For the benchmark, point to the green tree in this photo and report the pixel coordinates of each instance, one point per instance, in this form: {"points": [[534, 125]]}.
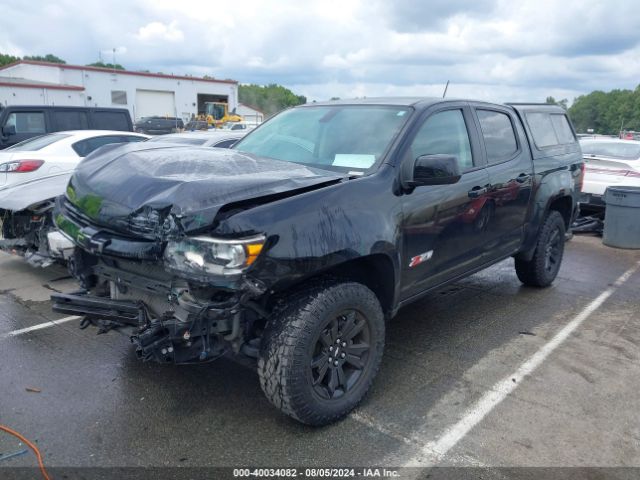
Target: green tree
{"points": [[269, 98], [561, 103], [49, 57], [117, 66], [607, 112], [7, 59]]}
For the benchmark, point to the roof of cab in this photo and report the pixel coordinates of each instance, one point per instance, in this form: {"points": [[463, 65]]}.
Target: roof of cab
{"points": [[391, 101]]}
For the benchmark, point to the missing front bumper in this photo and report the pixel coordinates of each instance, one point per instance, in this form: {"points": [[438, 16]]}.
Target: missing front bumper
{"points": [[205, 335], [118, 311]]}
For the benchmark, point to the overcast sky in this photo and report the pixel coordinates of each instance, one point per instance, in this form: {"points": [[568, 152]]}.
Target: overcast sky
{"points": [[494, 50]]}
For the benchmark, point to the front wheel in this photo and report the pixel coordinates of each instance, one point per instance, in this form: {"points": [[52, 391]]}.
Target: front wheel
{"points": [[321, 351], [543, 267]]}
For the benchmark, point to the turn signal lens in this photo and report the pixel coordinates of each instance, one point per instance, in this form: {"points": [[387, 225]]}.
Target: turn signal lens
{"points": [[253, 250]]}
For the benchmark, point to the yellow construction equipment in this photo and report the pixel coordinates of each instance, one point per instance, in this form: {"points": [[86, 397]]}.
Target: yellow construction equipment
{"points": [[218, 113]]}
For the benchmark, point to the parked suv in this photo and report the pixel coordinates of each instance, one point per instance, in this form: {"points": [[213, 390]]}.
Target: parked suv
{"points": [[18, 123], [297, 244], [159, 125]]}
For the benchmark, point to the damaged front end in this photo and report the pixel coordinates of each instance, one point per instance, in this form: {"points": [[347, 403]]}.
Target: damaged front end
{"points": [[26, 222], [151, 258], [31, 234], [183, 299]]}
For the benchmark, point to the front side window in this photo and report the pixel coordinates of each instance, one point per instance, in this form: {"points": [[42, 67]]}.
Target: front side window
{"points": [[27, 122], [444, 133], [499, 138], [334, 137]]}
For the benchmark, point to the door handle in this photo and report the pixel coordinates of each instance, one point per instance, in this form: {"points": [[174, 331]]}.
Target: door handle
{"points": [[523, 177], [476, 192]]}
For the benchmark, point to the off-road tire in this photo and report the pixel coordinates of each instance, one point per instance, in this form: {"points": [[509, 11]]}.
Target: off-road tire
{"points": [[542, 270], [292, 334]]}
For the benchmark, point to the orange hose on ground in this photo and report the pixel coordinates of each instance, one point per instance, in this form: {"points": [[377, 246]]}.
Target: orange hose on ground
{"points": [[32, 447]]}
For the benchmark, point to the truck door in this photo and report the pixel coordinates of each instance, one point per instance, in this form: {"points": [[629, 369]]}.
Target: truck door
{"points": [[510, 169], [28, 123], [443, 233]]}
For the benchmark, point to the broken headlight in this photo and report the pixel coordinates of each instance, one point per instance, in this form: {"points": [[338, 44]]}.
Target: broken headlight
{"points": [[213, 256]]}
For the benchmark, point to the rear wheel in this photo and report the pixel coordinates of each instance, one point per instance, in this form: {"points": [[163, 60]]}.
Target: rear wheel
{"points": [[543, 267], [320, 352]]}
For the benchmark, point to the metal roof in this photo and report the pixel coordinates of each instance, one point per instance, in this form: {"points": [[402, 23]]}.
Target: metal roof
{"points": [[26, 83], [64, 66]]}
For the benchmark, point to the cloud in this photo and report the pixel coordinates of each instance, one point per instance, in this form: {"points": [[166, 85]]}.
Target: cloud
{"points": [[488, 49], [155, 31]]}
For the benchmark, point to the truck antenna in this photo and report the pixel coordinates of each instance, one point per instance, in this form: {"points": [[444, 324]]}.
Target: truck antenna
{"points": [[445, 89]]}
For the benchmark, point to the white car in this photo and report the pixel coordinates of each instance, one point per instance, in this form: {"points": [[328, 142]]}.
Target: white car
{"points": [[211, 138], [32, 174], [235, 126], [54, 153], [608, 162]]}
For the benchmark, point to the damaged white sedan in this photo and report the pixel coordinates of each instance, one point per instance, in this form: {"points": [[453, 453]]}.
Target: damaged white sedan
{"points": [[32, 174]]}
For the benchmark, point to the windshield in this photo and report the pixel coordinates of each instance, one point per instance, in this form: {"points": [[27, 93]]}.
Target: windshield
{"points": [[333, 137], [624, 150], [216, 110], [37, 143]]}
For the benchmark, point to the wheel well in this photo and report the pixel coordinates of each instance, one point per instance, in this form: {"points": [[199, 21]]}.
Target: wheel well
{"points": [[376, 272], [564, 206]]}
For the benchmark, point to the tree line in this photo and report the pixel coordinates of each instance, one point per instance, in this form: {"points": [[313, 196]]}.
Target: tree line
{"points": [[49, 57], [607, 112], [269, 98], [604, 112]]}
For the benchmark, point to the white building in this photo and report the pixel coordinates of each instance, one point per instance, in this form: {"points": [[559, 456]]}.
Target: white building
{"points": [[250, 114], [28, 82]]}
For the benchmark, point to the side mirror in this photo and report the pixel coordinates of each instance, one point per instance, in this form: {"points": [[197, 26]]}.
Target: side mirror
{"points": [[435, 170], [9, 130]]}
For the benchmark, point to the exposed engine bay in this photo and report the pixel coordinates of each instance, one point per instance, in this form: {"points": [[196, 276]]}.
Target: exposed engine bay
{"points": [[169, 320], [31, 233]]}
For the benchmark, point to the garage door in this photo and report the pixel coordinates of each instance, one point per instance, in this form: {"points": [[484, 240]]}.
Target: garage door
{"points": [[155, 103]]}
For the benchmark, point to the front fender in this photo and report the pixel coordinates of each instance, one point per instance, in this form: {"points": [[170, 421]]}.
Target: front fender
{"points": [[321, 229]]}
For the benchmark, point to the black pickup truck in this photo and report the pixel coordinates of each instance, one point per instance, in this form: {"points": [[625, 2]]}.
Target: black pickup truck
{"points": [[296, 245]]}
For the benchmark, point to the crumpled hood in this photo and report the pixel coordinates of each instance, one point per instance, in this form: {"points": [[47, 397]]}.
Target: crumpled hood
{"points": [[149, 190]]}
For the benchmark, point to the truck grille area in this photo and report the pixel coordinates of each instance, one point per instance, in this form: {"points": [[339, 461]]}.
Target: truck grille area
{"points": [[99, 239]]}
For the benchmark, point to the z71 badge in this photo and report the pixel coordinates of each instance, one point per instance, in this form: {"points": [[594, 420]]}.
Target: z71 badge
{"points": [[418, 259]]}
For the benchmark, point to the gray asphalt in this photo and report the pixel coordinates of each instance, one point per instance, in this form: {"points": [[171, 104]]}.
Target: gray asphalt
{"points": [[97, 405]]}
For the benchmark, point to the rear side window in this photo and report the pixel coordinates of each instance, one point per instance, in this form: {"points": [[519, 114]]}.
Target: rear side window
{"points": [[110, 121], [549, 130], [499, 137], [85, 147], [622, 149], [70, 120], [562, 128], [27, 122]]}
